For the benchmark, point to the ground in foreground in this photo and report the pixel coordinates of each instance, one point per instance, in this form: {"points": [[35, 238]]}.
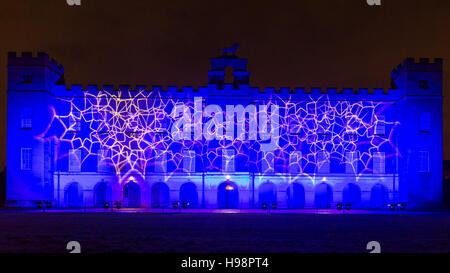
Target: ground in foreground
{"points": [[217, 233]]}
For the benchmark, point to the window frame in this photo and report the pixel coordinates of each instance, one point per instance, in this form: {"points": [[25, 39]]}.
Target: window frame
{"points": [[297, 163], [427, 161], [189, 159], [26, 78], [228, 156], [77, 153], [422, 86], [381, 163], [28, 164]]}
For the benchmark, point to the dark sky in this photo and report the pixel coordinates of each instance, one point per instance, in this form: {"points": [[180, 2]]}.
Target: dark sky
{"points": [[302, 43]]}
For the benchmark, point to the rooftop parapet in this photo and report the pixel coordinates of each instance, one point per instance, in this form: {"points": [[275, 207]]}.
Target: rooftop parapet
{"points": [[108, 87], [282, 92], [332, 91], [92, 88], [316, 91], [172, 89], [141, 87], [347, 91], [423, 65], [29, 59]]}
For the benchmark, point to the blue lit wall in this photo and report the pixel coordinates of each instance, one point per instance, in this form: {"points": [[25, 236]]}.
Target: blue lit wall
{"points": [[294, 146]]}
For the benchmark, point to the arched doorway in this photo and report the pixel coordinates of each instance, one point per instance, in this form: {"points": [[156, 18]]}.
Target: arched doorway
{"points": [[132, 195], [323, 196], [267, 193], [296, 196], [160, 195], [102, 193], [351, 194], [378, 196], [228, 195], [73, 195], [188, 193]]}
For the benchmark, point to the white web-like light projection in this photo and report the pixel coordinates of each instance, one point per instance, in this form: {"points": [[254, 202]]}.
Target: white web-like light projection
{"points": [[139, 130]]}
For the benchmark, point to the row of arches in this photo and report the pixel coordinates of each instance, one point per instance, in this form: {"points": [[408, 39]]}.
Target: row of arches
{"points": [[160, 195], [323, 195], [227, 195]]}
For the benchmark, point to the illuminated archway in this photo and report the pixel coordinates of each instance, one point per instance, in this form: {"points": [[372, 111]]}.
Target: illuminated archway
{"points": [[351, 194], [102, 193], [378, 196], [323, 196], [188, 193], [228, 195], [160, 195], [267, 193], [73, 195], [132, 195], [296, 196]]}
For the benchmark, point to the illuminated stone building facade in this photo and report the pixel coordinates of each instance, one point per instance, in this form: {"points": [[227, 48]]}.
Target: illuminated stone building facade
{"points": [[224, 145]]}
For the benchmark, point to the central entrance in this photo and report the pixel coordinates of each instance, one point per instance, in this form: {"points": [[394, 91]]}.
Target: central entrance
{"points": [[228, 195], [132, 195]]}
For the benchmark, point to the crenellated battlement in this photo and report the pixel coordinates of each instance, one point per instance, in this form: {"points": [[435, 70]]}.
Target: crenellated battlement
{"points": [[30, 59], [298, 93], [315, 91], [128, 88], [423, 65], [219, 88]]}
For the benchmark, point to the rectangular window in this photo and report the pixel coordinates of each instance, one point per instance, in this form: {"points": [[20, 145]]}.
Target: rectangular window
{"points": [[424, 161], [103, 160], [295, 125], [132, 122], [189, 161], [380, 125], [323, 162], [74, 124], [425, 122], [295, 162], [161, 123], [268, 162], [351, 159], [161, 161], [424, 84], [25, 118], [74, 160], [323, 125], [228, 160], [378, 163], [26, 159], [26, 77], [351, 124], [135, 157]]}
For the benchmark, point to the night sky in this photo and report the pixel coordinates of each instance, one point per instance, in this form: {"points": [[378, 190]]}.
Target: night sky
{"points": [[302, 43]]}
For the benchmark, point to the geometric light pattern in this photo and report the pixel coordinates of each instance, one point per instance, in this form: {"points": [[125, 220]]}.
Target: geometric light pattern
{"points": [[138, 128]]}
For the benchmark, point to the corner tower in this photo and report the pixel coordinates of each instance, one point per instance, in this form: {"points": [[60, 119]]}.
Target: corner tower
{"points": [[420, 132], [30, 161]]}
